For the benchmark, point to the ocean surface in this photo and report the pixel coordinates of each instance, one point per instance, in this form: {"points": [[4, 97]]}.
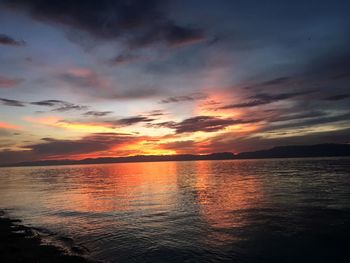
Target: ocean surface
{"points": [[281, 210]]}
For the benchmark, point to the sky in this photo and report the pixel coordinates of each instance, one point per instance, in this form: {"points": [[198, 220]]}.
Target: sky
{"points": [[87, 79]]}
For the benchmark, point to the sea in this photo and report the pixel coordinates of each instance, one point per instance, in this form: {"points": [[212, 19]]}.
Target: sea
{"points": [[271, 210]]}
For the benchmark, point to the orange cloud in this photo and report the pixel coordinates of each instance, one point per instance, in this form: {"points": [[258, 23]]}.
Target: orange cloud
{"points": [[4, 125], [54, 121]]}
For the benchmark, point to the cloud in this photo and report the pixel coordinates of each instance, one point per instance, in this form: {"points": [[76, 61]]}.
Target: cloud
{"points": [[137, 23], [124, 59], [136, 93], [4, 125], [82, 77], [131, 121], [64, 149], [155, 113], [7, 40], [170, 34], [299, 122], [298, 116], [92, 143], [265, 98], [191, 97], [95, 84], [188, 146], [231, 142], [338, 97], [59, 105], [202, 123], [14, 103], [97, 113], [8, 82], [4, 132], [272, 82], [341, 75]]}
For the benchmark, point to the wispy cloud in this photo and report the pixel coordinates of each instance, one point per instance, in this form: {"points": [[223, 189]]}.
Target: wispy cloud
{"points": [[265, 98], [190, 97], [203, 123], [6, 82], [337, 97], [7, 40], [59, 105], [14, 103], [97, 113], [131, 121]]}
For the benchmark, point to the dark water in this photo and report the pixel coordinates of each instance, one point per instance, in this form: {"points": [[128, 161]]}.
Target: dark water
{"points": [[292, 210]]}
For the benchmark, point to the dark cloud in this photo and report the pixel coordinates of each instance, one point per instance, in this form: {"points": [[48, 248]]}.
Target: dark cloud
{"points": [[131, 121], [191, 97], [188, 146], [136, 93], [156, 113], [271, 82], [49, 103], [342, 75], [124, 59], [233, 143], [338, 97], [202, 123], [138, 23], [7, 40], [170, 34], [276, 81], [298, 116], [59, 105], [333, 64], [303, 123], [62, 149], [265, 98], [88, 144], [8, 82], [97, 113], [15, 103]]}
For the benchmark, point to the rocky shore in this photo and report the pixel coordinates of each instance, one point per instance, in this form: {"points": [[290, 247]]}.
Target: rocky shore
{"points": [[19, 243]]}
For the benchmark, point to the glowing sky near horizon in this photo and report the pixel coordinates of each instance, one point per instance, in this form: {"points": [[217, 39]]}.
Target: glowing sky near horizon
{"points": [[117, 78]]}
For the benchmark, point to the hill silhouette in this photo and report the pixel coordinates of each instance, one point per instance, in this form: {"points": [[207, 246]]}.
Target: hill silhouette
{"points": [[294, 151]]}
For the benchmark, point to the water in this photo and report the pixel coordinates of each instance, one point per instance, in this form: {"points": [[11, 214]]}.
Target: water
{"points": [[291, 210]]}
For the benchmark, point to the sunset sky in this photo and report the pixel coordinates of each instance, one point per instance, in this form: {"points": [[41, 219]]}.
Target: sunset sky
{"points": [[102, 78]]}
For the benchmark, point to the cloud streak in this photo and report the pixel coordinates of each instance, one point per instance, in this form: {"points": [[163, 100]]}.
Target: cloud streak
{"points": [[131, 121], [9, 82], [9, 41], [13, 103], [97, 113], [203, 124], [264, 98], [191, 97], [59, 105]]}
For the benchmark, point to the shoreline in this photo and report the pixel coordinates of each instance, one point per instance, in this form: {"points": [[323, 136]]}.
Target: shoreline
{"points": [[282, 152], [164, 161], [19, 243]]}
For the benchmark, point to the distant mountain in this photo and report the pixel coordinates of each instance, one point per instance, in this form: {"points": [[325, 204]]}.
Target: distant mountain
{"points": [[132, 159], [319, 150]]}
